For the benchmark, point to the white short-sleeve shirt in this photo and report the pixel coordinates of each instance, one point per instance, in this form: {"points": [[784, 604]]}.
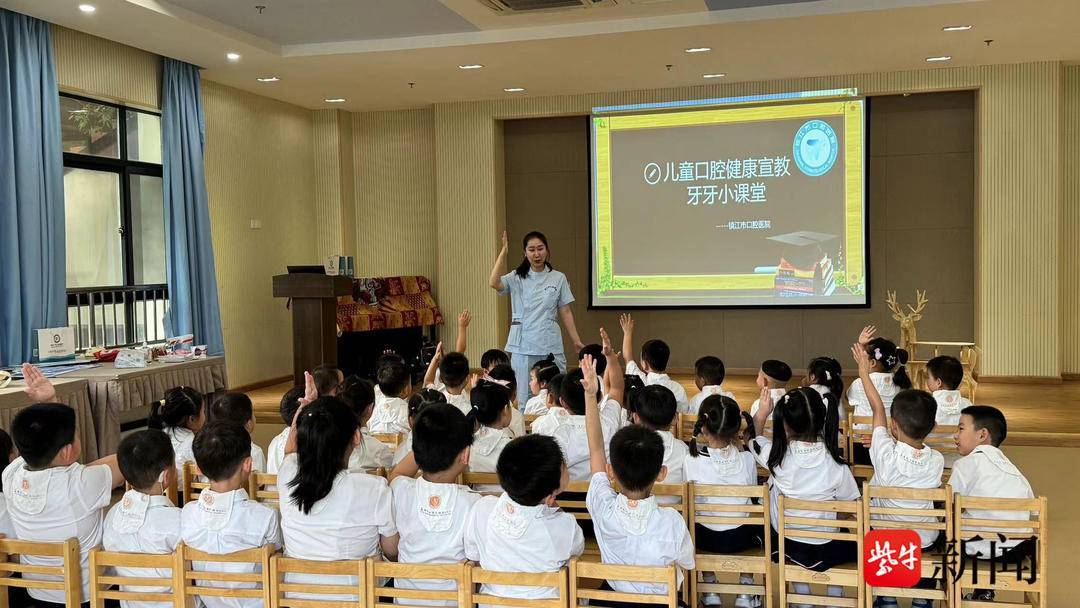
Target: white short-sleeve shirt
{"points": [[727, 466], [534, 306], [516, 427], [488, 444], [275, 452], [573, 440], [53, 505], [431, 519], [141, 523], [682, 404], [225, 522], [706, 392], [858, 401], [370, 454], [675, 453], [505, 536], [899, 465], [390, 415], [949, 406], [637, 533], [460, 401], [546, 424], [537, 404], [987, 472], [181, 438], [808, 472]]}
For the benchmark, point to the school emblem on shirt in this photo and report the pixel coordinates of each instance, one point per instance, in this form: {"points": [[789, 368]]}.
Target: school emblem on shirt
{"points": [[632, 504], [127, 503], [510, 509], [434, 502], [208, 499], [26, 484]]}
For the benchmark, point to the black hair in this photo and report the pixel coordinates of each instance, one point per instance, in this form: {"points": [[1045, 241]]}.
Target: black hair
{"points": [[915, 412], [554, 386], [545, 370], [220, 448], [892, 359], [357, 393], [826, 371], [656, 353], [324, 440], [948, 370], [777, 370], [710, 369], [326, 379], [530, 469], [6, 448], [810, 417], [656, 407], [637, 454], [990, 418], [232, 407], [454, 369], [387, 357], [143, 455], [573, 393], [421, 399], [290, 402], [493, 357], [180, 404], [522, 269], [439, 434], [721, 417], [632, 387], [488, 402], [599, 359], [505, 373], [41, 431], [393, 377]]}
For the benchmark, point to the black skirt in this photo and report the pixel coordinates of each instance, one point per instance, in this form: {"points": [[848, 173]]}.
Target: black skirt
{"points": [[818, 558], [734, 540]]}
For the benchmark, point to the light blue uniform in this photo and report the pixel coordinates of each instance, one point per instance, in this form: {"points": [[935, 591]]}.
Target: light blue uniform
{"points": [[534, 321]]}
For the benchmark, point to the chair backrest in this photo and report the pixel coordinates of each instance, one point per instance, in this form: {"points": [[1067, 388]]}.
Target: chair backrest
{"points": [[317, 589], [392, 440], [487, 482], [874, 514], [584, 577], [555, 580], [405, 595], [941, 439], [676, 490], [66, 576], [529, 419], [190, 483], [574, 505], [1031, 522], [793, 526], [262, 487], [107, 582], [686, 426], [208, 583], [755, 513]]}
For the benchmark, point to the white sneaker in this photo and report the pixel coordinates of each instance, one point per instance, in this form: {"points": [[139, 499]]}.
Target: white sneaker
{"points": [[746, 601], [711, 599]]}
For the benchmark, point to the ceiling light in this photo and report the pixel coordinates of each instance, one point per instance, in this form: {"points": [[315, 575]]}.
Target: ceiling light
{"points": [[335, 100], [470, 66], [956, 28], [514, 89], [939, 58], [718, 75], [268, 79], [87, 8], [232, 56], [699, 49]]}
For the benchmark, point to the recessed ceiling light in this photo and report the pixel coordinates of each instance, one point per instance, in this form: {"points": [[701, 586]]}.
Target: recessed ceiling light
{"points": [[268, 79], [956, 28], [87, 8], [470, 66], [699, 49], [939, 58], [718, 75], [232, 56], [514, 89], [335, 100]]}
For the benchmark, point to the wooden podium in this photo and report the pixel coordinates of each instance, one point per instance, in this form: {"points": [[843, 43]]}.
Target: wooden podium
{"points": [[314, 317]]}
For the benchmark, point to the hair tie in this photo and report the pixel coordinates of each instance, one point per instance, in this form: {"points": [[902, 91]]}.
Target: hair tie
{"points": [[502, 383], [877, 354], [786, 398], [828, 376]]}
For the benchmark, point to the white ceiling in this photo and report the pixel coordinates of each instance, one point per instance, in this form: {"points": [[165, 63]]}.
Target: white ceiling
{"points": [[368, 51]]}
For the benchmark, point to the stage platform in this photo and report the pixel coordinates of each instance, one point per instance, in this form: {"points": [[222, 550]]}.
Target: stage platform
{"points": [[1044, 415]]}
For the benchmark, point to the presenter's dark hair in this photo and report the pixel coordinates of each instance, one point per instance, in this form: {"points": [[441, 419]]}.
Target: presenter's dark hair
{"points": [[523, 268]]}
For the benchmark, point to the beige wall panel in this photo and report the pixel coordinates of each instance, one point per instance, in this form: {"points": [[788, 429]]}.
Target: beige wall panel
{"points": [[1070, 226], [101, 68]]}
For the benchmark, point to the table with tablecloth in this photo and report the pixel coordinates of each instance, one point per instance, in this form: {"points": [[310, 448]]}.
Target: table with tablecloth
{"points": [[123, 395], [69, 391]]}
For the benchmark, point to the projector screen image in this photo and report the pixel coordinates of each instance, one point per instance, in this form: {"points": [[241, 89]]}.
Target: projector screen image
{"points": [[743, 206]]}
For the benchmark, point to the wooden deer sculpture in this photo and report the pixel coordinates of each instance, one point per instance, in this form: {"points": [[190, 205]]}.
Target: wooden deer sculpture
{"points": [[907, 319]]}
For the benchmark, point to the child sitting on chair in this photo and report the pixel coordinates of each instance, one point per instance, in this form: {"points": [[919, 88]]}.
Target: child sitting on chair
{"points": [[943, 377], [655, 410], [505, 376], [654, 362], [180, 414], [547, 422], [236, 408], [371, 453], [391, 413], [539, 376], [708, 377], [452, 370], [275, 452], [418, 402], [774, 376]]}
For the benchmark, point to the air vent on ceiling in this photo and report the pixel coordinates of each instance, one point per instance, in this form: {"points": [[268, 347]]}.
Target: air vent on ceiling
{"points": [[527, 6]]}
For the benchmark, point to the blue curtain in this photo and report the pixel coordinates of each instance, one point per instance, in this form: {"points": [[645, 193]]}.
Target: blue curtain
{"points": [[189, 251], [32, 255]]}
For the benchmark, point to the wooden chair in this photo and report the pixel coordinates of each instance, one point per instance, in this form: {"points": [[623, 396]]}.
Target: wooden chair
{"points": [[207, 583], [323, 582], [686, 427], [1033, 526], [392, 440], [846, 576], [397, 596], [556, 580], [190, 484], [487, 482], [151, 587], [859, 428], [757, 561], [941, 510], [262, 487], [941, 439], [65, 576], [969, 360], [529, 419], [585, 577]]}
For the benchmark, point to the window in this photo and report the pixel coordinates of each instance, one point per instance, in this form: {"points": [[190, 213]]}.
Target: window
{"points": [[115, 223]]}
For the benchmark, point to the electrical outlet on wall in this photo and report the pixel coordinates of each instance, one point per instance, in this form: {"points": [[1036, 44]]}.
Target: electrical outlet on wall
{"points": [[255, 224]]}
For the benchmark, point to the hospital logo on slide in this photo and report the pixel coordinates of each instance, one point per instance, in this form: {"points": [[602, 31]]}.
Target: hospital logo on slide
{"points": [[815, 147]]}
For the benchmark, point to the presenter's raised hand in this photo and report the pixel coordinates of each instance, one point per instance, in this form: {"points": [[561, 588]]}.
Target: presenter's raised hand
{"points": [[505, 244]]}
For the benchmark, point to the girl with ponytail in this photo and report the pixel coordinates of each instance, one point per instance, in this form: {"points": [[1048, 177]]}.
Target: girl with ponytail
{"points": [[180, 414], [328, 512], [888, 373], [490, 417], [823, 374], [804, 462], [541, 373]]}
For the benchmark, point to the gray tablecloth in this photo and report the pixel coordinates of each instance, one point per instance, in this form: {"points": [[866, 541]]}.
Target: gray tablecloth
{"points": [[70, 391], [120, 395]]}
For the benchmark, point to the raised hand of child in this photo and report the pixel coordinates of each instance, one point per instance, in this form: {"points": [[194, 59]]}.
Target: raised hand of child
{"points": [[310, 392], [765, 401], [438, 354], [605, 343], [464, 318], [589, 380], [867, 334], [626, 322], [862, 359], [39, 388]]}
